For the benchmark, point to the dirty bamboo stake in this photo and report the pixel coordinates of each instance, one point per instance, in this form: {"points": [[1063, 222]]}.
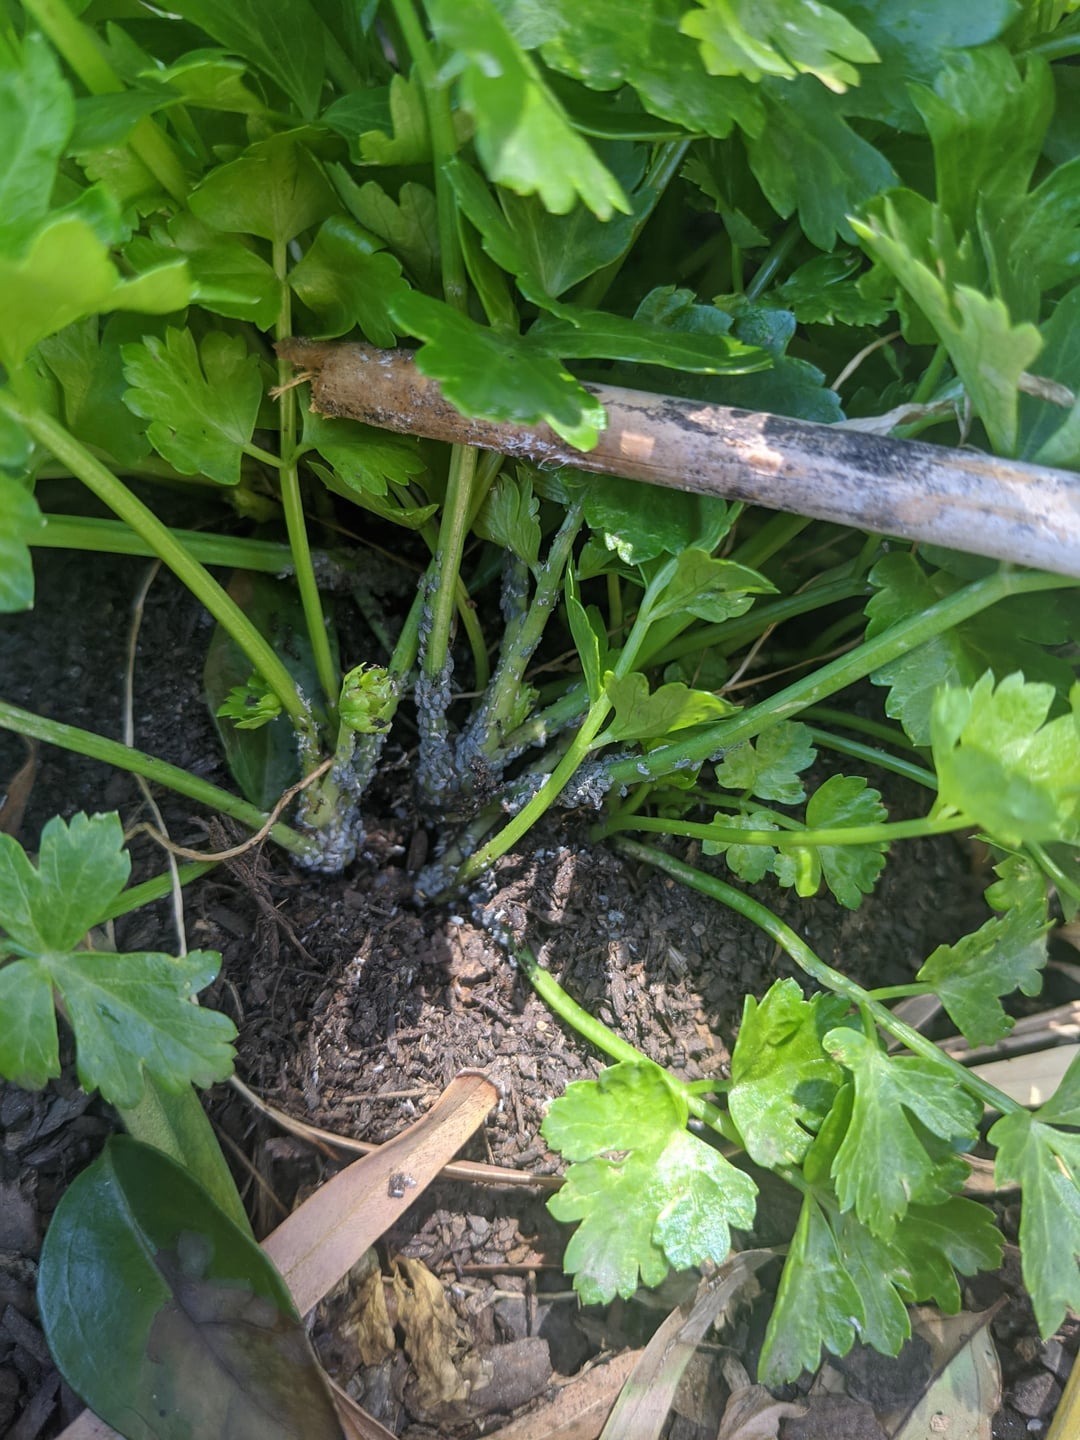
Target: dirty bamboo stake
{"points": [[962, 499]]}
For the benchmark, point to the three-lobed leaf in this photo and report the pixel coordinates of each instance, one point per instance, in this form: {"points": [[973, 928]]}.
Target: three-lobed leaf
{"points": [[1004, 955], [770, 766], [641, 714], [647, 1193]]}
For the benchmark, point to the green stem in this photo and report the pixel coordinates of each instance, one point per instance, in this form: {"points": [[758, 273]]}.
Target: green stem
{"points": [[847, 720], [883, 834], [156, 889], [883, 649], [899, 992], [124, 757], [774, 259], [777, 532], [293, 504], [605, 1040], [79, 46], [453, 530], [816, 968], [1049, 866], [113, 537], [120, 500], [870, 756], [930, 377]]}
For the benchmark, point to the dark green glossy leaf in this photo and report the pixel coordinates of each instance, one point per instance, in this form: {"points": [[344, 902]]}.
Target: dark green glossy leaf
{"points": [[348, 281], [86, 360], [409, 224], [166, 1318], [576, 334], [276, 189], [283, 38]]}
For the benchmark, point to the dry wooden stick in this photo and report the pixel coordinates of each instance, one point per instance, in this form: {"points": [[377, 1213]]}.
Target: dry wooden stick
{"points": [[1028, 514]]}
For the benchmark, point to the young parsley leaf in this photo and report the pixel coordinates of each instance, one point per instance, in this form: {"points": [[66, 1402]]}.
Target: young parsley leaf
{"points": [[509, 517], [640, 715], [1001, 762], [783, 1083], [709, 588], [769, 766], [365, 460], [668, 1200], [202, 404], [850, 871], [751, 862], [409, 224], [817, 1302], [884, 1163], [1005, 954], [1045, 1163], [523, 137], [275, 189], [250, 706]]}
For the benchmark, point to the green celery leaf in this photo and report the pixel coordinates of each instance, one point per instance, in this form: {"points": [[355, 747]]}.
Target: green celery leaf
{"points": [[365, 460], [669, 1200], [1020, 884], [910, 238], [752, 861], [275, 190], [931, 1242], [86, 360], [1063, 1107], [639, 522], [400, 138], [711, 589], [209, 80], [875, 1268], [412, 517], [347, 280], [640, 715], [103, 122], [883, 1163], [783, 1083], [29, 1042], [986, 122], [850, 871], [20, 520], [82, 867], [486, 373], [285, 39], [409, 225], [65, 274], [914, 41], [1003, 763], [1005, 954], [778, 37], [769, 767], [134, 1012], [227, 276], [592, 334], [817, 1303], [202, 404], [562, 250], [605, 45], [824, 291], [509, 516], [36, 116], [1045, 1163], [809, 159], [523, 137], [1010, 636], [167, 1317]]}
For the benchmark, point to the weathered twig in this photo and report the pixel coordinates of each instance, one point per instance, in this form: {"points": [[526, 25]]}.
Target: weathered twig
{"points": [[1028, 514]]}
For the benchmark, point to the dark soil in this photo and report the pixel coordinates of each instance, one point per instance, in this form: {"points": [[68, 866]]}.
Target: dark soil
{"points": [[356, 1006]]}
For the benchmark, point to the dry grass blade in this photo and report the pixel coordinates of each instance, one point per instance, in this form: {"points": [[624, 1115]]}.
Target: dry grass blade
{"points": [[13, 799], [642, 1407], [322, 1240]]}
